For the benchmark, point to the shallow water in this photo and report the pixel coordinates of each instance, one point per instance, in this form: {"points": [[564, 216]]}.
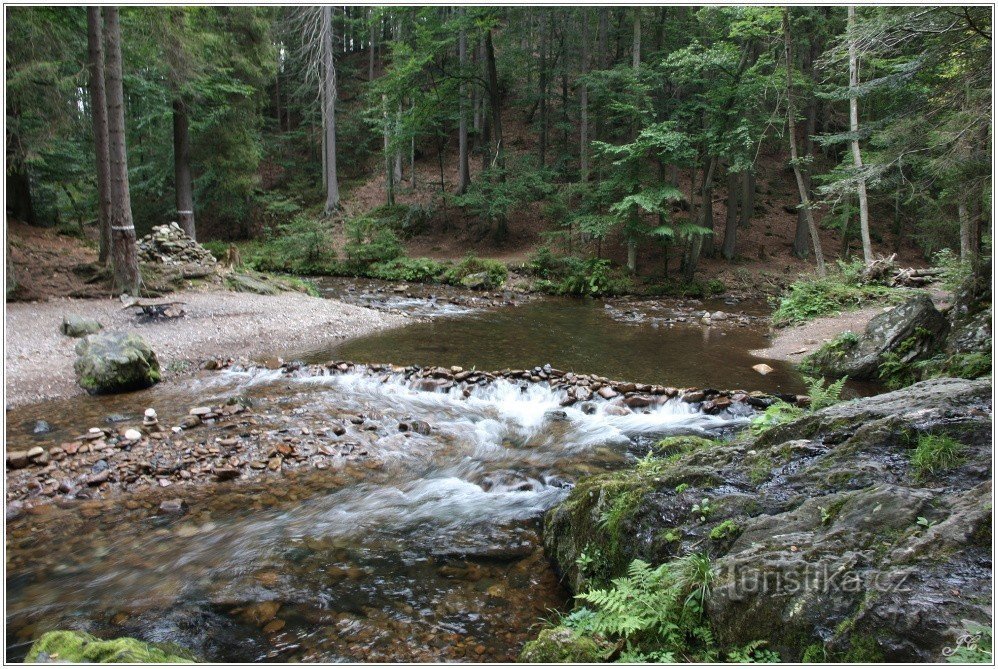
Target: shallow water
{"points": [[577, 335], [429, 551]]}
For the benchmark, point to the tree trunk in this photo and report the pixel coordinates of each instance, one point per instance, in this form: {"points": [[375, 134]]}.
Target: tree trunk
{"points": [[731, 215], [98, 110], [542, 92], [329, 119], [389, 172], [183, 187], [463, 174], [966, 232], [604, 55], [636, 44], [857, 157], [398, 152], [494, 102], [748, 198], [802, 237], [370, 46], [584, 101], [791, 121], [124, 254]]}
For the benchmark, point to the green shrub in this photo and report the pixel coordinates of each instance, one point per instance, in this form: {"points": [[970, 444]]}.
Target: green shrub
{"points": [[405, 220], [972, 365], [725, 530], [494, 271], [368, 241], [775, 414], [954, 271], [216, 248], [407, 269], [824, 396], [809, 299], [935, 453], [696, 289], [979, 648]]}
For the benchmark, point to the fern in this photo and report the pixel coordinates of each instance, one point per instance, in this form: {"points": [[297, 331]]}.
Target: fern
{"points": [[824, 396]]}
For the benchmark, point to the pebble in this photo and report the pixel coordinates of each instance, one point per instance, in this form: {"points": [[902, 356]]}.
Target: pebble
{"points": [[173, 507]]}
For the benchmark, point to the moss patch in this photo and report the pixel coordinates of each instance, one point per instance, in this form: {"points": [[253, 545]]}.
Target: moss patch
{"points": [[79, 647], [562, 645]]}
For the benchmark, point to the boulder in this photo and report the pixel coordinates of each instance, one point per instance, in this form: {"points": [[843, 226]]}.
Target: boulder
{"points": [[913, 331], [477, 281], [115, 362], [66, 646], [834, 543], [78, 326], [561, 645], [243, 283]]}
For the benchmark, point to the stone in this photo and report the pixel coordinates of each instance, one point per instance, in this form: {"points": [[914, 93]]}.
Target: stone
{"points": [[73, 647], [913, 331], [132, 435], [606, 392], [78, 326], [41, 427], [170, 245], [762, 368], [173, 507], [17, 459], [35, 452], [561, 645], [115, 362], [200, 411], [226, 473]]}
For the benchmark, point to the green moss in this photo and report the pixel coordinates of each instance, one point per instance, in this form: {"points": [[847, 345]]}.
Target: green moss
{"points": [[683, 444], [760, 468], [560, 645], [79, 647], [725, 530], [863, 649]]}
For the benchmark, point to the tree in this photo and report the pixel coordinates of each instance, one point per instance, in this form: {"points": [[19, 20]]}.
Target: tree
{"points": [[805, 200], [857, 157], [463, 175], [329, 113], [584, 99], [124, 254], [98, 112]]}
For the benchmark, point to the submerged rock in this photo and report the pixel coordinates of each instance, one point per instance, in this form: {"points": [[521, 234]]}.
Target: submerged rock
{"points": [[912, 331], [827, 532], [115, 362], [67, 646]]}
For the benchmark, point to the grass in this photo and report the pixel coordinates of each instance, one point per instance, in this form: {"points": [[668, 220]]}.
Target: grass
{"points": [[808, 299], [934, 454]]}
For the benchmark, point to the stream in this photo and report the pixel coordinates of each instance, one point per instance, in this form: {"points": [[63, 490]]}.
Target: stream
{"points": [[426, 549]]}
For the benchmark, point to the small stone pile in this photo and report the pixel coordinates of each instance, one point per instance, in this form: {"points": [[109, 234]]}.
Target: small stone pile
{"points": [[170, 245]]}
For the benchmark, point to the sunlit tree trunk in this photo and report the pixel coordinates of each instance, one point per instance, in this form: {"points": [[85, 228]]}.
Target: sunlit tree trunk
{"points": [[183, 186], [857, 157], [329, 118], [632, 240]]}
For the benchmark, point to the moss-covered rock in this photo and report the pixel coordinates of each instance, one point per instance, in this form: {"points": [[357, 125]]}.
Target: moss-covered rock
{"points": [[78, 326], [114, 362], [822, 531], [79, 647], [562, 645]]}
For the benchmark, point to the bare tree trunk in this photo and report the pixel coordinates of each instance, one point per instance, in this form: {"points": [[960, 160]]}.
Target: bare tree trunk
{"points": [[966, 230], [731, 215], [748, 198], [584, 101], [494, 101], [542, 81], [632, 241], [183, 187], [802, 237], [98, 109], [604, 55], [857, 157], [463, 174], [329, 105], [636, 45], [370, 46], [124, 254], [398, 152], [389, 172], [805, 200]]}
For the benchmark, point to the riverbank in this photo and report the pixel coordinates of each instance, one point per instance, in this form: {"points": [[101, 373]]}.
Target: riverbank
{"points": [[38, 359]]}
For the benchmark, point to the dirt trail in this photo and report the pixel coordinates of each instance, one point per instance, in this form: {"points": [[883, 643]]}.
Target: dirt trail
{"points": [[794, 342]]}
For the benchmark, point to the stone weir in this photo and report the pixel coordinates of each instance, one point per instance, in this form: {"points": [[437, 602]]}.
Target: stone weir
{"points": [[244, 439]]}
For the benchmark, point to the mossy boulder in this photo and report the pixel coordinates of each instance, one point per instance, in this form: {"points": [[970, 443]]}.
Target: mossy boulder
{"points": [[246, 283], [113, 362], [831, 537], [912, 331], [78, 326], [560, 645], [66, 646]]}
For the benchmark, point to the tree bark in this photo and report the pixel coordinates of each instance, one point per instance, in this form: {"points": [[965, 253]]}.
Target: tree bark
{"points": [[329, 119], [584, 101], [731, 215], [183, 186], [98, 111], [124, 254], [463, 174], [857, 157], [604, 55], [370, 46], [748, 198], [805, 200], [802, 237], [636, 44], [494, 102], [632, 241], [542, 81], [389, 172]]}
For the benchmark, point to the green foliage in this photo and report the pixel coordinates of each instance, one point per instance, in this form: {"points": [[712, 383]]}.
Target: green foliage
{"points": [[301, 246], [753, 653], [79, 647], [703, 509], [369, 241], [976, 646], [954, 271], [656, 612], [689, 289], [812, 298], [824, 396], [424, 270], [725, 530], [971, 365], [895, 372], [495, 272], [934, 454], [777, 413]]}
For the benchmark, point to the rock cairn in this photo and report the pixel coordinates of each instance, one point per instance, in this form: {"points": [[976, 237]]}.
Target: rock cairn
{"points": [[170, 245]]}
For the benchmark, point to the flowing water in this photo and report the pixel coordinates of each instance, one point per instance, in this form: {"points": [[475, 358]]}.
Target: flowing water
{"points": [[428, 550]]}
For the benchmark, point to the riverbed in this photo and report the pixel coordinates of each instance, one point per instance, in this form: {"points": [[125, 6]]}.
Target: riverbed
{"points": [[420, 539]]}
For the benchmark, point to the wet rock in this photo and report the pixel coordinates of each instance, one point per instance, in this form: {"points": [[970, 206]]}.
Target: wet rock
{"points": [[78, 326], [115, 362], [607, 393], [41, 427], [98, 478], [694, 396], [82, 648], [827, 511], [173, 507], [417, 426], [762, 368], [132, 435], [226, 473], [561, 645]]}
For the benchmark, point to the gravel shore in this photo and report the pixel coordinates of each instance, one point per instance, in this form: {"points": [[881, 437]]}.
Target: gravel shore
{"points": [[38, 359], [796, 341]]}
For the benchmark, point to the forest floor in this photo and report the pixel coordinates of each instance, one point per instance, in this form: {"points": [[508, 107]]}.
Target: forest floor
{"points": [[38, 359]]}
